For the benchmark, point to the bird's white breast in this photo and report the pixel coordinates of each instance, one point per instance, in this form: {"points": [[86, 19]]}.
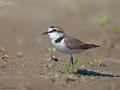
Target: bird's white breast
{"points": [[61, 46]]}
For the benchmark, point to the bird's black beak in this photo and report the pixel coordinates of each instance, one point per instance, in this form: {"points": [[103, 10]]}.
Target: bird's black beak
{"points": [[45, 33]]}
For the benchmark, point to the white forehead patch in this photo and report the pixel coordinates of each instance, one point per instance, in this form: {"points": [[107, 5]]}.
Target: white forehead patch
{"points": [[50, 29]]}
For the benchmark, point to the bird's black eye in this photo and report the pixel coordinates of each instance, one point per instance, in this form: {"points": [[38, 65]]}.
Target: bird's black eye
{"points": [[52, 27]]}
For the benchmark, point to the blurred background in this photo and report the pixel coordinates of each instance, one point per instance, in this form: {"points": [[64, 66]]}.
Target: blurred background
{"points": [[22, 23]]}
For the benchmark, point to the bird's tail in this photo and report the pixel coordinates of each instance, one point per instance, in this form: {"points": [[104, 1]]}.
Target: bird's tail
{"points": [[92, 46]]}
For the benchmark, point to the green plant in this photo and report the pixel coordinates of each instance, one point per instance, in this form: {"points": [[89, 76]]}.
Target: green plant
{"points": [[112, 4], [103, 22], [76, 63], [98, 61], [51, 49], [4, 57], [50, 55], [70, 76], [75, 67], [70, 11], [50, 65], [23, 65], [91, 63], [84, 6], [117, 29]]}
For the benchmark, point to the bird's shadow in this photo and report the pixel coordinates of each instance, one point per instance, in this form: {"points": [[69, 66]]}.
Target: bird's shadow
{"points": [[93, 73]]}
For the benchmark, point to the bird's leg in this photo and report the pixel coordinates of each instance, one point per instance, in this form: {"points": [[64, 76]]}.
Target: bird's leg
{"points": [[71, 60]]}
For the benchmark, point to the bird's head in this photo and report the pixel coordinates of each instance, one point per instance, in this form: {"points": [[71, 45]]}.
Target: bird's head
{"points": [[54, 32]]}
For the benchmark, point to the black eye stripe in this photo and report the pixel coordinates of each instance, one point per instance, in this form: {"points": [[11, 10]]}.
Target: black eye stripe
{"points": [[54, 30]]}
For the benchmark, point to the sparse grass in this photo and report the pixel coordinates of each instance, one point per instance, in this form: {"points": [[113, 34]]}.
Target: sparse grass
{"points": [[71, 75], [117, 29], [90, 63], [84, 6], [112, 4], [75, 68], [97, 61], [51, 49], [49, 54], [4, 57], [23, 65], [104, 22], [70, 11], [50, 66]]}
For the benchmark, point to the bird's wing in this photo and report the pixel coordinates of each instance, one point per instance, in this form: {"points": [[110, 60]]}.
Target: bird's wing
{"points": [[74, 43]]}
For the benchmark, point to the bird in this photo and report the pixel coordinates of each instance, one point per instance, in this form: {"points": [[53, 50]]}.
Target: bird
{"points": [[65, 43]]}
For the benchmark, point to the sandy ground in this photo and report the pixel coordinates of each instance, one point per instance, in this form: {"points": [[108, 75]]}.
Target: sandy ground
{"points": [[23, 21]]}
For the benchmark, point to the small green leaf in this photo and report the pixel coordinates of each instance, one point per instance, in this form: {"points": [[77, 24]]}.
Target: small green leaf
{"points": [[50, 65], [110, 19], [99, 60], [53, 48], [67, 67], [45, 49], [103, 18], [5, 55], [23, 65], [112, 4], [117, 29], [91, 63], [77, 62], [70, 11], [19, 54]]}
